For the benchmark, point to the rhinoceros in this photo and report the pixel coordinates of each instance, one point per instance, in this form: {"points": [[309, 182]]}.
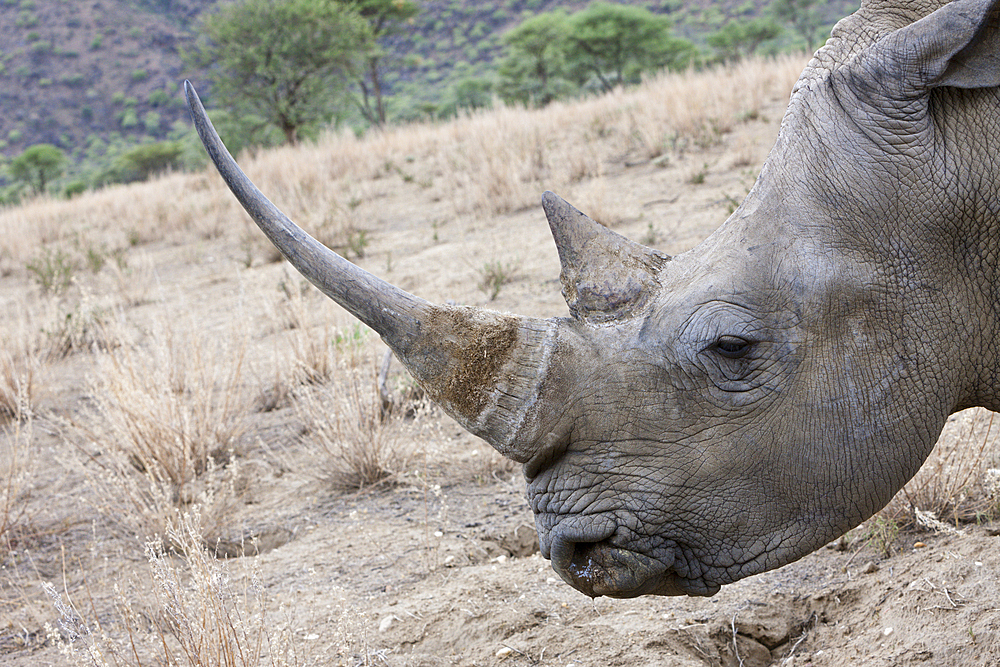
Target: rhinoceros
{"points": [[701, 418]]}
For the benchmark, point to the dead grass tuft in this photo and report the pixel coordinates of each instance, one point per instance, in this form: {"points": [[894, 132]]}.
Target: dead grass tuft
{"points": [[166, 422], [204, 612], [18, 386], [16, 469], [954, 484], [360, 445]]}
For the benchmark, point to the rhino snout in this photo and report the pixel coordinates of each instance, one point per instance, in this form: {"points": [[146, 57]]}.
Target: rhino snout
{"points": [[590, 562]]}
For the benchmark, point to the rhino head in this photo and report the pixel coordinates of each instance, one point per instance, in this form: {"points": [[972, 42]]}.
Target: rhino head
{"points": [[702, 418]]}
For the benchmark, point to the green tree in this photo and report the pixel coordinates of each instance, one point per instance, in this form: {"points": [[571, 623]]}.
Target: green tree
{"points": [[384, 17], [615, 44], [37, 166], [288, 61], [740, 38], [141, 162], [802, 15], [468, 93], [533, 68]]}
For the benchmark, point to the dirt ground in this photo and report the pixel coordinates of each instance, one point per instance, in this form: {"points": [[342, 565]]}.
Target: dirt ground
{"points": [[442, 567]]}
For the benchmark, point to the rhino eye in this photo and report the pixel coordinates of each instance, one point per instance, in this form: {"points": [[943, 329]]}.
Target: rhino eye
{"points": [[732, 347]]}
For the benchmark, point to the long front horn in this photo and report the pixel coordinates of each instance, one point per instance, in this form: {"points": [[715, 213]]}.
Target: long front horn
{"points": [[486, 369]]}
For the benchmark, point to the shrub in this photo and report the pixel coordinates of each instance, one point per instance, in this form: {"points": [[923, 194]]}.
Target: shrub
{"points": [[493, 276], [360, 445], [203, 612], [167, 421], [53, 270], [147, 160]]}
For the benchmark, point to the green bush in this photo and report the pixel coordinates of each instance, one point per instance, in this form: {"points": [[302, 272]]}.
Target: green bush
{"points": [[149, 159], [41, 48], [52, 270], [74, 188], [151, 121], [129, 118], [25, 19], [158, 98]]}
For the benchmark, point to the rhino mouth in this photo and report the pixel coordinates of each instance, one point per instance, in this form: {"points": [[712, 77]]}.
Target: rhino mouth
{"points": [[600, 567]]}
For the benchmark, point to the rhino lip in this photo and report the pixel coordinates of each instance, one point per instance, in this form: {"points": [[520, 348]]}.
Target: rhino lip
{"points": [[597, 568]]}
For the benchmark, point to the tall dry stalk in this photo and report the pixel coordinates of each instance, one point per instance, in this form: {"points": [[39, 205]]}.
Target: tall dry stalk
{"points": [[953, 482], [18, 386], [16, 467], [203, 613], [358, 444], [168, 420]]}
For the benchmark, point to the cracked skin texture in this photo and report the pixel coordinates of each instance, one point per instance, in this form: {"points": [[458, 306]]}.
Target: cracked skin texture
{"points": [[860, 270]]}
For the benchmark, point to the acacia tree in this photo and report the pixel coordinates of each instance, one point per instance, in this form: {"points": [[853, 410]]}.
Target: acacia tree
{"points": [[740, 38], [288, 61], [803, 15], [533, 69], [617, 43], [37, 166], [385, 18]]}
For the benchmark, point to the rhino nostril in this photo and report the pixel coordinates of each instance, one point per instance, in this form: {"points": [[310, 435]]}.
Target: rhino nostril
{"points": [[581, 566]]}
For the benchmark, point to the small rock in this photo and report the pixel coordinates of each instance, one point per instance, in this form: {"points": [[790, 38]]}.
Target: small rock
{"points": [[385, 623], [869, 567], [887, 632], [919, 545], [504, 651]]}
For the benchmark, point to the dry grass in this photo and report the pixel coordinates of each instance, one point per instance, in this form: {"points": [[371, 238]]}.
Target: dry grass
{"points": [[16, 466], [359, 444], [203, 613], [166, 425], [18, 386], [954, 483]]}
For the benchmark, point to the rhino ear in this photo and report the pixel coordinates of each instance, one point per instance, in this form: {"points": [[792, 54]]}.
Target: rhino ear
{"points": [[605, 276], [958, 45]]}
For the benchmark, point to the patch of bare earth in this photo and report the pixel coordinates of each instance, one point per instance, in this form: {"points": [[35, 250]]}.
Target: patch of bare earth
{"points": [[190, 325]]}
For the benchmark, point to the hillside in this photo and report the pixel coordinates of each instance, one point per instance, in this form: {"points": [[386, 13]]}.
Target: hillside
{"points": [[72, 73], [92, 77]]}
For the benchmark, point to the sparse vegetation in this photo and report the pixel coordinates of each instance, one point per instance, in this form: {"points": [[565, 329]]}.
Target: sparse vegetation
{"points": [[168, 423], [956, 483], [360, 445], [16, 466], [53, 270], [18, 387], [201, 612], [493, 276]]}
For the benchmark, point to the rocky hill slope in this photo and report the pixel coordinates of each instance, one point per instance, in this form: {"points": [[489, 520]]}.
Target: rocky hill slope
{"points": [[89, 74]]}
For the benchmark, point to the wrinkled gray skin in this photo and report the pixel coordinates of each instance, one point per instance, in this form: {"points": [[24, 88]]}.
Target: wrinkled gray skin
{"points": [[704, 418]]}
